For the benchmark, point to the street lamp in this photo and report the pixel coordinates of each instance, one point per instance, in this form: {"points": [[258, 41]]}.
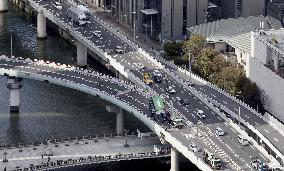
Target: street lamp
{"points": [[11, 43], [239, 95], [189, 66], [126, 145], [134, 25], [5, 157]]}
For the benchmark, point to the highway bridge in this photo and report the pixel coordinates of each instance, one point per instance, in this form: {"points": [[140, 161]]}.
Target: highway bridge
{"points": [[70, 152], [203, 98], [135, 101]]}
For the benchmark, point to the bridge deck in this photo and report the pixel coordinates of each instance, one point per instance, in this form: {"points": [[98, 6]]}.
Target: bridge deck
{"points": [[21, 157]]}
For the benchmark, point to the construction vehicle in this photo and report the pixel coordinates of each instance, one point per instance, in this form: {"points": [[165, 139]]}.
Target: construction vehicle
{"points": [[211, 159], [147, 78], [77, 16], [258, 165]]}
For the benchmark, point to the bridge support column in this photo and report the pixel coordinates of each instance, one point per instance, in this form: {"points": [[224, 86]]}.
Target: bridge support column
{"points": [[174, 160], [81, 55], [14, 85], [3, 5], [41, 26], [119, 117], [119, 121]]}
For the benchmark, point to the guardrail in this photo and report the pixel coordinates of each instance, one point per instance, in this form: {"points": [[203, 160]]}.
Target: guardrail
{"points": [[93, 160]]}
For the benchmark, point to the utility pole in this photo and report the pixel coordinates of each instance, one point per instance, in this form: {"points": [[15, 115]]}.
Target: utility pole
{"points": [[11, 45], [189, 66], [134, 25]]}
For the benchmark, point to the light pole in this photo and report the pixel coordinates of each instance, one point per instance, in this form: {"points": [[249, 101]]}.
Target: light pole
{"points": [[11, 44], [239, 95], [126, 145], [5, 157], [189, 66], [134, 25]]}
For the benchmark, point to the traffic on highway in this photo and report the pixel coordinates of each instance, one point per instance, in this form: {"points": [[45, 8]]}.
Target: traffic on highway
{"points": [[172, 105]]}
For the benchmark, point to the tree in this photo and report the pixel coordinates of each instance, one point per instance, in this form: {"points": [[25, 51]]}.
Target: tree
{"points": [[228, 78], [173, 49], [204, 62], [194, 44]]}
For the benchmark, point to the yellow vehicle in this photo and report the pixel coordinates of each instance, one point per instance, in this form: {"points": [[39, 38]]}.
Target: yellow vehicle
{"points": [[147, 78]]}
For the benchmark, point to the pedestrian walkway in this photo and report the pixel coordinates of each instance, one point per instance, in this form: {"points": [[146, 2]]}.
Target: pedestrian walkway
{"points": [[70, 152]]}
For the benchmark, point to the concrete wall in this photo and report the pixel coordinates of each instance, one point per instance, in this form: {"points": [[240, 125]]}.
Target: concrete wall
{"points": [[271, 84], [219, 46], [253, 8], [228, 8]]}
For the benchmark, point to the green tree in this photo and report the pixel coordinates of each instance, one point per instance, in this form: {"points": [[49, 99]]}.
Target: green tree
{"points": [[194, 44], [228, 79], [204, 62], [173, 49]]}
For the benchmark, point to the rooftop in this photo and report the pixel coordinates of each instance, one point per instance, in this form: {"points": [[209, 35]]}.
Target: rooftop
{"points": [[221, 30]]}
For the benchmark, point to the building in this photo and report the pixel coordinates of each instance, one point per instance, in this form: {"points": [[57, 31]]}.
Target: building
{"points": [[240, 8], [159, 19], [275, 8], [256, 44], [265, 67]]}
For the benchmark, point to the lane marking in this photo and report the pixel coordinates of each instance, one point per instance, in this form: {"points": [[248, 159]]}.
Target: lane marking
{"points": [[276, 139], [225, 102], [266, 130]]}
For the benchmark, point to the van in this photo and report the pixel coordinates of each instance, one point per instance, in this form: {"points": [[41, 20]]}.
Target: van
{"points": [[242, 140]]}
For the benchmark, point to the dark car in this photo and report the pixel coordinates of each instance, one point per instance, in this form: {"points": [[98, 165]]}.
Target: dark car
{"points": [[157, 79], [184, 101]]}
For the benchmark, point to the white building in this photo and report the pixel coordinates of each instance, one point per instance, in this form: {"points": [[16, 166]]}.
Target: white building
{"points": [[266, 68], [257, 44]]}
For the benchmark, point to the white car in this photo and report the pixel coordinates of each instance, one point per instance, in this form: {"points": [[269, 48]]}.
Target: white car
{"points": [[220, 131], [157, 73], [97, 33], [194, 148], [171, 90], [58, 5], [200, 114], [119, 49]]}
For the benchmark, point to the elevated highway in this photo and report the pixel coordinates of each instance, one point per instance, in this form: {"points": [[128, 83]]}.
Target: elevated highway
{"points": [[233, 155], [133, 62]]}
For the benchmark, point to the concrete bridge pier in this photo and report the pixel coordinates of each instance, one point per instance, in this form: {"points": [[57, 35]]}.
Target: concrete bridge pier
{"points": [[14, 85], [119, 117], [82, 54], [41, 26], [174, 160], [3, 5]]}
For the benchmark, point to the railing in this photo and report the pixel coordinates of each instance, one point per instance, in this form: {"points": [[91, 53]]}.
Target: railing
{"points": [[94, 159]]}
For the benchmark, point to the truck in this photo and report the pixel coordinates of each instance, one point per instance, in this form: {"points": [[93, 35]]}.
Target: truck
{"points": [[85, 10], [158, 104], [211, 159], [147, 78], [77, 16], [176, 121]]}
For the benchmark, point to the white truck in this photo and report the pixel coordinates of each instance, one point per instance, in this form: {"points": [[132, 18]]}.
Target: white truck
{"points": [[77, 16]]}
